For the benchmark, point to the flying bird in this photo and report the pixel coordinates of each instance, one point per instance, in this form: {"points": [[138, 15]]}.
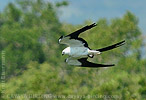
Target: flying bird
{"points": [[79, 51]]}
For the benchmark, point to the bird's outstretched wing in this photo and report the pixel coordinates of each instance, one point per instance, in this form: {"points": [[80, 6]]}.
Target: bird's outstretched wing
{"points": [[84, 63], [112, 46], [75, 34], [73, 39]]}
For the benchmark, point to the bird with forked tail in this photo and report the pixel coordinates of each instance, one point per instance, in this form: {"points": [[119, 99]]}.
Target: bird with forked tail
{"points": [[79, 51]]}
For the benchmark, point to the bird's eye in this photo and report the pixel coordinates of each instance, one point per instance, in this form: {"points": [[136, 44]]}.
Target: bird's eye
{"points": [[63, 53]]}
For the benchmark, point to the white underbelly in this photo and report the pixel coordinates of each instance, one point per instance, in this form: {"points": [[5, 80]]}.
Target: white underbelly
{"points": [[79, 52]]}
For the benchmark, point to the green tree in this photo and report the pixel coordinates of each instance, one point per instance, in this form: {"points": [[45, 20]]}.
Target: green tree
{"points": [[24, 32], [29, 35]]}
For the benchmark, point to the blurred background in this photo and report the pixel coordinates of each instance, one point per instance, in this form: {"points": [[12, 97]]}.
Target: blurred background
{"points": [[31, 63]]}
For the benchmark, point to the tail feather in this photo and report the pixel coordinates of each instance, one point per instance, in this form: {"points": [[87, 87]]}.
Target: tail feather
{"points": [[112, 46]]}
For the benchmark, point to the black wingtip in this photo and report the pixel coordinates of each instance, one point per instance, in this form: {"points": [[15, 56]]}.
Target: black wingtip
{"points": [[94, 24], [85, 63], [97, 66], [111, 65], [121, 43]]}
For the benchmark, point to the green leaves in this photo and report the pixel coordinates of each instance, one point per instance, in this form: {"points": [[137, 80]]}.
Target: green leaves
{"points": [[63, 3], [29, 36]]}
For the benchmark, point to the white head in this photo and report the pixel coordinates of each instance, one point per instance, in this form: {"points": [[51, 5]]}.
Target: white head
{"points": [[66, 51]]}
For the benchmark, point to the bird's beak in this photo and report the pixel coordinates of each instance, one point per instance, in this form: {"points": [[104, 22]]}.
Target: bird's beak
{"points": [[62, 54]]}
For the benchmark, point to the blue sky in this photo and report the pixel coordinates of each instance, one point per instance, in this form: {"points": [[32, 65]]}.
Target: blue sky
{"points": [[80, 10]]}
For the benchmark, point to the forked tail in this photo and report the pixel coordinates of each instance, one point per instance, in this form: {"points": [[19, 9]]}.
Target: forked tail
{"points": [[112, 46]]}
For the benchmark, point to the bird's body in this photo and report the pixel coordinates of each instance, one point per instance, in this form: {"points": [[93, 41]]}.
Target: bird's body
{"points": [[79, 51]]}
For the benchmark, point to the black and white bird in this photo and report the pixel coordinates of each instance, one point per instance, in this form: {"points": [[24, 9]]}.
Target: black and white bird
{"points": [[79, 51]]}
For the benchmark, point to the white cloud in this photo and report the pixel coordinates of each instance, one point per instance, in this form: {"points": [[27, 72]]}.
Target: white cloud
{"points": [[68, 12]]}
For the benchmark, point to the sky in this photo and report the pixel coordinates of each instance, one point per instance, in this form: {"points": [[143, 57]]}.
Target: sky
{"points": [[79, 11]]}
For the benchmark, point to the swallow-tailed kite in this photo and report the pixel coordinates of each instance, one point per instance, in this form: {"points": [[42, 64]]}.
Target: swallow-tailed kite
{"points": [[79, 51]]}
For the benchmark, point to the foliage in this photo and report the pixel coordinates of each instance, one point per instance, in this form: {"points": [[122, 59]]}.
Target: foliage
{"points": [[29, 32]]}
